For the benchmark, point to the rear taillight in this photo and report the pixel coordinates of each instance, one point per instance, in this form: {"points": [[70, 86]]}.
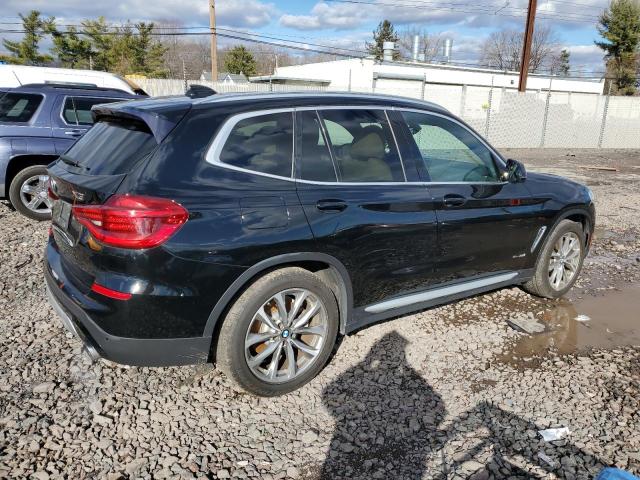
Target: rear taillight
{"points": [[132, 221]]}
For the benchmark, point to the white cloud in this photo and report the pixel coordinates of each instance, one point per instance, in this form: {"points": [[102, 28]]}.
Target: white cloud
{"points": [[233, 13]]}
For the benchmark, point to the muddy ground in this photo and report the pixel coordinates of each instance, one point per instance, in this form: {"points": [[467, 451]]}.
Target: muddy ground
{"points": [[451, 392]]}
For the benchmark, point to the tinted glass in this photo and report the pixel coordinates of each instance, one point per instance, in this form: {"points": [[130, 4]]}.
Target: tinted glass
{"points": [[18, 107], [111, 148], [77, 110], [362, 146], [314, 157], [451, 153], [263, 144]]}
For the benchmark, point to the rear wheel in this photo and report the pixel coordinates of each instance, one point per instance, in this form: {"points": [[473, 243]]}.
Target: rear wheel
{"points": [[560, 261], [279, 333], [28, 193]]}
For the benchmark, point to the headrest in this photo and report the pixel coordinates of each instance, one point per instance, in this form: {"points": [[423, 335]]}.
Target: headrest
{"points": [[368, 146]]}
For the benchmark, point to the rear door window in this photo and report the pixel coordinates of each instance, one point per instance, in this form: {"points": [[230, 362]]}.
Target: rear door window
{"points": [[77, 110], [315, 159], [262, 143], [18, 107], [362, 145], [111, 148]]}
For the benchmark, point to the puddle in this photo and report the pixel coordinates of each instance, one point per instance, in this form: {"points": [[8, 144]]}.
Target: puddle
{"points": [[614, 322]]}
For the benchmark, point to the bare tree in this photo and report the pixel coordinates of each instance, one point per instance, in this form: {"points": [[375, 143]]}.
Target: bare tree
{"points": [[184, 55], [503, 49], [430, 44]]}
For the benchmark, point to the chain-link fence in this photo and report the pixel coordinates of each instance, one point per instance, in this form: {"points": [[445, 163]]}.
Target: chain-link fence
{"points": [[509, 119]]}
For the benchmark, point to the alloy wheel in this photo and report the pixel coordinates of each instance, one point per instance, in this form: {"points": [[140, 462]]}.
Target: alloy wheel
{"points": [[286, 335], [564, 261], [34, 195]]}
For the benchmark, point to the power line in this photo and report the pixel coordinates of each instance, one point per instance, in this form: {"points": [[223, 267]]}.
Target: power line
{"points": [[514, 12]]}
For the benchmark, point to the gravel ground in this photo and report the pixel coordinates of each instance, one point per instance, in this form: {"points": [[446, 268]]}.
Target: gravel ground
{"points": [[445, 393]]}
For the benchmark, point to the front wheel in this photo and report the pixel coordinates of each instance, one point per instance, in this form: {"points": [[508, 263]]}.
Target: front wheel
{"points": [[279, 333], [559, 262], [28, 193]]}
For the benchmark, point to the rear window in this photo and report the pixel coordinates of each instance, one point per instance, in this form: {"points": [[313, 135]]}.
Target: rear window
{"points": [[18, 107], [111, 148]]}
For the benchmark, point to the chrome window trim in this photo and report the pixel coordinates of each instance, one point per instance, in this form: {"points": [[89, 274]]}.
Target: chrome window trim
{"points": [[451, 119], [212, 155]]}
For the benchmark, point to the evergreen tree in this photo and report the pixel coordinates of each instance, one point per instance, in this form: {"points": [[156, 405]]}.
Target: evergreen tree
{"points": [[240, 60], [97, 32], [564, 63], [25, 51], [71, 50], [384, 33], [620, 29]]}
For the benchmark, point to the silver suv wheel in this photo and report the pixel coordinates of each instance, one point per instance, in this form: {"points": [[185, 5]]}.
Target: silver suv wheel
{"points": [[34, 195], [286, 335], [564, 260]]}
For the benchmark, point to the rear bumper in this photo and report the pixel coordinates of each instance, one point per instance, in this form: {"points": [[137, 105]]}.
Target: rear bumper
{"points": [[150, 352]]}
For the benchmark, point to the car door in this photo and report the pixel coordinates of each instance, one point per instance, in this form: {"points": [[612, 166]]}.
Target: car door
{"points": [[71, 118], [364, 205], [485, 224]]}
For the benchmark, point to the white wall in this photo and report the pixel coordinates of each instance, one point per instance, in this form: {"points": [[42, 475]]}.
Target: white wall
{"points": [[362, 70]]}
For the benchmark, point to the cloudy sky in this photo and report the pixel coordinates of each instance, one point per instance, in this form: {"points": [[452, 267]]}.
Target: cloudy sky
{"points": [[345, 23]]}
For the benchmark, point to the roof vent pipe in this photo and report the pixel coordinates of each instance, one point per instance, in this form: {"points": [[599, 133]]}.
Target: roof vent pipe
{"points": [[387, 51], [448, 45], [416, 47]]}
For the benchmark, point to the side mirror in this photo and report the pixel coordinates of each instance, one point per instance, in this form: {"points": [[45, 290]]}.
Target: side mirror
{"points": [[515, 172]]}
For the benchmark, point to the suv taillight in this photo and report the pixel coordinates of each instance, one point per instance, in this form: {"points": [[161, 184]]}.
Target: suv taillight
{"points": [[132, 221]]}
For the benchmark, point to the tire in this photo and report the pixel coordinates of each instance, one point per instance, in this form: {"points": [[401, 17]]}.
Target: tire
{"points": [[542, 283], [233, 355], [32, 177]]}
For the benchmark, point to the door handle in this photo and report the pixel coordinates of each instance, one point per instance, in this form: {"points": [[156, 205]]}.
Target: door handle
{"points": [[331, 205], [74, 133], [454, 200]]}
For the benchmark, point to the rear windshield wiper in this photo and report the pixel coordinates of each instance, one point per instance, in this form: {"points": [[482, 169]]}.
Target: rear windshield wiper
{"points": [[73, 163]]}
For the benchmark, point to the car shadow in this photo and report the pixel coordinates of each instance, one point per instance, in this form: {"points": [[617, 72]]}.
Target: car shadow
{"points": [[390, 423]]}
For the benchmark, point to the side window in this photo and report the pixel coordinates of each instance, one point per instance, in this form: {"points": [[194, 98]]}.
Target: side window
{"points": [[18, 107], [263, 143], [450, 152], [362, 146], [77, 110], [314, 156]]}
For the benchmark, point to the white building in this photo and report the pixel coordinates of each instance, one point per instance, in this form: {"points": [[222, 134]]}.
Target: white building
{"points": [[367, 74]]}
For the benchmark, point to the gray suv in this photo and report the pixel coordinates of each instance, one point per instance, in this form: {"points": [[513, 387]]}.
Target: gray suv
{"points": [[39, 122]]}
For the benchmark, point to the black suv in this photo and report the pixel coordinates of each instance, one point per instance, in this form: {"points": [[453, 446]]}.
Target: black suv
{"points": [[38, 122], [251, 230]]}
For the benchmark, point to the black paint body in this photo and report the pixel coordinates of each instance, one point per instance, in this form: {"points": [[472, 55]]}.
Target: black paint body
{"points": [[390, 240]]}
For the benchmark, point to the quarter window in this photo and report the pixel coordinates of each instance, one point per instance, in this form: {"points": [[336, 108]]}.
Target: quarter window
{"points": [[263, 143], [77, 110], [362, 145], [18, 107], [450, 152]]}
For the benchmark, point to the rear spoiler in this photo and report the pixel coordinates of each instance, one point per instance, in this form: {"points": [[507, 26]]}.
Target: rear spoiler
{"points": [[160, 116]]}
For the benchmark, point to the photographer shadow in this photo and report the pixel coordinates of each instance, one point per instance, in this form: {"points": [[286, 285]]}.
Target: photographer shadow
{"points": [[389, 424]]}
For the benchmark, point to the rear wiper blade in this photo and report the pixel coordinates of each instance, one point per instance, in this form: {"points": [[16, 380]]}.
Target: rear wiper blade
{"points": [[73, 163]]}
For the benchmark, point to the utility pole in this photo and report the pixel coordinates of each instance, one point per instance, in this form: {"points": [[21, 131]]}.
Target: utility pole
{"points": [[214, 46], [526, 49]]}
